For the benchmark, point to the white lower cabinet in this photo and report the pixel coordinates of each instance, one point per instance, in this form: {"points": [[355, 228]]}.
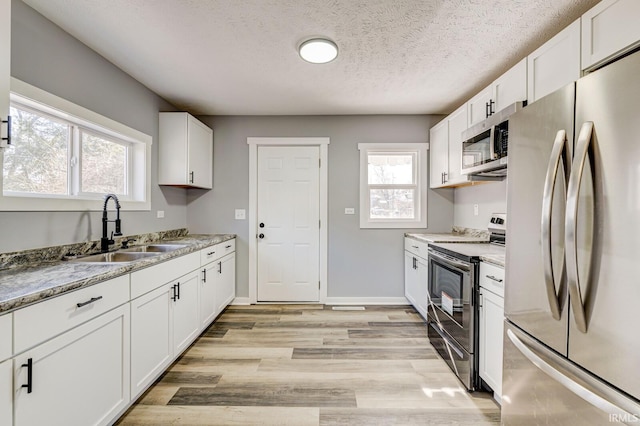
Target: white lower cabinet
{"points": [[186, 318], [6, 392], [208, 303], [416, 281], [151, 340], [226, 281], [78, 378], [491, 325]]}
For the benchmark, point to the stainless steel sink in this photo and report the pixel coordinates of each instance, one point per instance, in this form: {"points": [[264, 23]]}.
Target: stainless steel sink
{"points": [[114, 257], [153, 248]]}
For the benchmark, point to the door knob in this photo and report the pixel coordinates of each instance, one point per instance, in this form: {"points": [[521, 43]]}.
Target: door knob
{"points": [[261, 236], [261, 225]]}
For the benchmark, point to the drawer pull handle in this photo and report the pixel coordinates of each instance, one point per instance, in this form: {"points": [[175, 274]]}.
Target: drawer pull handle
{"points": [[415, 247], [491, 277], [29, 384], [88, 302], [229, 246], [210, 253]]}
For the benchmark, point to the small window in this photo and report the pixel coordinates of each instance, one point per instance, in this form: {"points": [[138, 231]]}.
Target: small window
{"points": [[393, 185], [64, 157]]}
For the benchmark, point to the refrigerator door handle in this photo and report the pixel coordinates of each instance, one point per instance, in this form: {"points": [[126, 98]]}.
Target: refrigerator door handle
{"points": [[571, 223], [581, 387], [558, 152]]}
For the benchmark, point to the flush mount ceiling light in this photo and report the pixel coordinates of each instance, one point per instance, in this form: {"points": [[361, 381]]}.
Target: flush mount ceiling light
{"points": [[318, 50]]}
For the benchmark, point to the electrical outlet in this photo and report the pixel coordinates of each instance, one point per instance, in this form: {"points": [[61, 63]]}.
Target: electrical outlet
{"points": [[240, 214], [475, 210], [349, 210], [160, 214]]}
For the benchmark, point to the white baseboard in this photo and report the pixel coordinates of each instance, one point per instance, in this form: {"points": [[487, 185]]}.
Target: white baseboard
{"points": [[366, 301], [241, 301]]}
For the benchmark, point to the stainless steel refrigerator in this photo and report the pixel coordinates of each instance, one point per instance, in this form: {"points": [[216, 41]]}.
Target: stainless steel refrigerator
{"points": [[572, 293]]}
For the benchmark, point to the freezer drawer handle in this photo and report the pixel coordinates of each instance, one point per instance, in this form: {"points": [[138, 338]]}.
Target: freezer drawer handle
{"points": [[578, 389], [558, 152], [571, 223]]}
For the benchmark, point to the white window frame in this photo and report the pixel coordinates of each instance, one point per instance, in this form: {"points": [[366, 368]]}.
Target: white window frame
{"points": [[420, 169], [82, 119]]}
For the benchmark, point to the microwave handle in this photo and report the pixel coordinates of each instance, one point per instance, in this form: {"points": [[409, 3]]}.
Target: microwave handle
{"points": [[492, 143]]}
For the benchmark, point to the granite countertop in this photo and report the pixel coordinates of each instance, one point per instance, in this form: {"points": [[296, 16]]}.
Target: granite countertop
{"points": [[486, 252], [33, 282], [457, 235]]}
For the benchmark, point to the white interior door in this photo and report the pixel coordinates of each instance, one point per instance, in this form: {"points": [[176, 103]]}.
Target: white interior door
{"points": [[288, 216]]}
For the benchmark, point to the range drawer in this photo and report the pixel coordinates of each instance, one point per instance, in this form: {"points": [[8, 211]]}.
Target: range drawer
{"points": [[492, 278], [416, 247], [6, 336], [217, 251], [42, 321]]}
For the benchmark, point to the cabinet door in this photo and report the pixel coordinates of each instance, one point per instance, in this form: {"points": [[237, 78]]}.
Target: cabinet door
{"points": [[422, 284], [457, 125], [511, 86], [208, 302], [151, 341], [554, 64], [186, 312], [5, 68], [610, 28], [491, 339], [226, 281], [200, 155], [6, 393], [79, 378], [477, 106], [410, 277], [438, 154]]}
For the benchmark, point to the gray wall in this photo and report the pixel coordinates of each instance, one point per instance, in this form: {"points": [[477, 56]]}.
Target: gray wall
{"points": [[45, 56], [491, 197], [362, 262]]}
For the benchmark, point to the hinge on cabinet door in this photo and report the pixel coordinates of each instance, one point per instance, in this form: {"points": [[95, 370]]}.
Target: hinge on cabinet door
{"points": [[319, 224], [320, 163]]}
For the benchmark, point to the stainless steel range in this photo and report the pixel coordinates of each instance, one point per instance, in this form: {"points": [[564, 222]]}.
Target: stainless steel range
{"points": [[453, 295]]}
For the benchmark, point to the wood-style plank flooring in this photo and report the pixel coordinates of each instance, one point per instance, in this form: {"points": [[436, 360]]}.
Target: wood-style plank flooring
{"points": [[312, 365]]}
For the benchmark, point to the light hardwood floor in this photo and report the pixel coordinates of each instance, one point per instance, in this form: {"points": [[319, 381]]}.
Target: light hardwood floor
{"points": [[312, 365]]}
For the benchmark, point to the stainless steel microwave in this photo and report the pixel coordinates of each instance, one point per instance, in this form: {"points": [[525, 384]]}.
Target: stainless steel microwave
{"points": [[485, 145]]}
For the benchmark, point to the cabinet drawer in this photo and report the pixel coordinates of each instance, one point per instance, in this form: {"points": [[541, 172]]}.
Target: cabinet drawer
{"points": [[47, 319], [150, 278], [415, 247], [492, 278], [6, 336], [217, 251]]}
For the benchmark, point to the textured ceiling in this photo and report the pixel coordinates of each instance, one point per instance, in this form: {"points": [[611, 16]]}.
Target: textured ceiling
{"points": [[239, 57]]}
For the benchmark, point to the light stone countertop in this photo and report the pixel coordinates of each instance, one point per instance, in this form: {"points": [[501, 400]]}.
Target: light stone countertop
{"points": [[30, 283], [491, 253], [496, 259], [448, 238]]}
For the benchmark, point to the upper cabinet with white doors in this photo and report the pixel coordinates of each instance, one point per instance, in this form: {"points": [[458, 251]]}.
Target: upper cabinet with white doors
{"points": [[185, 151], [609, 29], [445, 145], [510, 87], [5, 69], [554, 64]]}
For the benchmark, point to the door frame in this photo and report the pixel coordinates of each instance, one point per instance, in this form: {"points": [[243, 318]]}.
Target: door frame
{"points": [[254, 143]]}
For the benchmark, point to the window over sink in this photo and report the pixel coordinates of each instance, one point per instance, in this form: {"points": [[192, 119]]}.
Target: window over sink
{"points": [[393, 182], [65, 157]]}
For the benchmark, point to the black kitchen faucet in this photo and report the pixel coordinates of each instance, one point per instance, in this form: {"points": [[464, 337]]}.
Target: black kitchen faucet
{"points": [[104, 241]]}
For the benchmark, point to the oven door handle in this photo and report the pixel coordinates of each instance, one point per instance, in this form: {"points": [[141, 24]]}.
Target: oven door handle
{"points": [[449, 261]]}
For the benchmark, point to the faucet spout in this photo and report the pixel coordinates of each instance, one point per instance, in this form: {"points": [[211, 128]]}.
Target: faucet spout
{"points": [[105, 241]]}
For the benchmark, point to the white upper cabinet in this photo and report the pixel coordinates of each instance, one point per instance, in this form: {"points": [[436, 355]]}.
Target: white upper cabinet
{"points": [[554, 64], [185, 151], [510, 87], [457, 124], [438, 154], [478, 106], [5, 67], [609, 28]]}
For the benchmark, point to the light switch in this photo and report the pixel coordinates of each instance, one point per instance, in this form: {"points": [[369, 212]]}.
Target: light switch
{"points": [[240, 214], [349, 210], [475, 210], [160, 214]]}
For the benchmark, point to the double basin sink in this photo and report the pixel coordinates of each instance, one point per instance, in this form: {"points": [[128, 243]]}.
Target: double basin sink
{"points": [[130, 254]]}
